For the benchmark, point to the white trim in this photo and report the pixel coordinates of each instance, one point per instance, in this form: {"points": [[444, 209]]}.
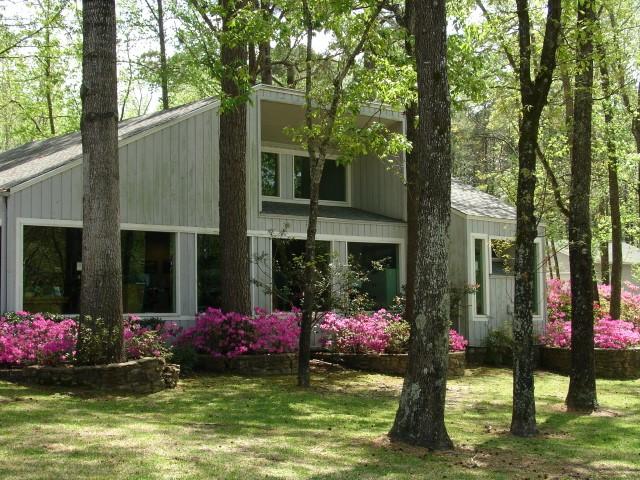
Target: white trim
{"points": [[471, 274], [397, 224]]}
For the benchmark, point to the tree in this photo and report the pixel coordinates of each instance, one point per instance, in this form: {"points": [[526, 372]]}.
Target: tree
{"points": [[101, 327], [582, 383], [420, 416], [533, 97], [234, 248]]}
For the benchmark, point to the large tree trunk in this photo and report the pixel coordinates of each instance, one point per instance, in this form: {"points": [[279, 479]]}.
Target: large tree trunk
{"points": [[614, 192], [164, 72], [533, 97], [582, 383], [234, 251], [420, 416], [101, 291]]}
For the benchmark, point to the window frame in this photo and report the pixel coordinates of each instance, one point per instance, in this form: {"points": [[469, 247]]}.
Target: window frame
{"points": [[279, 157], [21, 222], [286, 165]]}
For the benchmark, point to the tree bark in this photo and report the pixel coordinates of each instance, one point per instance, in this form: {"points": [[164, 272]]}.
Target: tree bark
{"points": [[604, 263], [164, 72], [101, 289], [420, 416], [614, 191], [533, 97], [556, 264], [582, 383], [234, 252]]}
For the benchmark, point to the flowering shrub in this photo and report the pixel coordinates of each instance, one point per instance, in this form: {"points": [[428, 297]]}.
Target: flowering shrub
{"points": [[457, 343], [28, 339], [231, 334], [36, 340], [559, 302], [378, 332], [613, 334]]}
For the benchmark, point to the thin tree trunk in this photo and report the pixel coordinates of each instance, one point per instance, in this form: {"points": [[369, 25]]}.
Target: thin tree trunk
{"points": [[533, 97], [556, 263], [604, 263], [420, 416], [264, 51], [48, 80], [101, 290], [164, 72], [548, 257], [234, 250], [582, 383]]}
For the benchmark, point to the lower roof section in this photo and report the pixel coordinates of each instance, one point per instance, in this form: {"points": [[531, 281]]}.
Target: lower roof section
{"points": [[325, 211]]}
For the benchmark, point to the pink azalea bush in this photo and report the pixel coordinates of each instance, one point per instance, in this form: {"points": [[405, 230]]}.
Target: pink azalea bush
{"points": [[39, 339], [608, 333], [231, 334], [372, 333]]}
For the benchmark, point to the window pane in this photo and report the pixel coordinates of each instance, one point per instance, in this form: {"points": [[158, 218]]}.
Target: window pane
{"points": [[287, 271], [208, 271], [480, 276], [148, 272], [502, 257], [333, 185], [270, 178], [382, 286], [51, 269]]}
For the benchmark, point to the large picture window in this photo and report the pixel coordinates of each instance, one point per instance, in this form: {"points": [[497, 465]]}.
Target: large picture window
{"points": [[148, 272], [333, 186], [269, 171], [380, 262], [52, 263], [208, 272], [287, 271], [52, 267]]}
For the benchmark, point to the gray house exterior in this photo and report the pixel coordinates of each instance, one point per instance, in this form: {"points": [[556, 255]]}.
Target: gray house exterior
{"points": [[169, 213]]}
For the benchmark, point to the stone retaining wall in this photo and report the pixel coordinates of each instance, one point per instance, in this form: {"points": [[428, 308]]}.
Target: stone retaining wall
{"points": [[616, 364], [145, 375], [388, 364], [271, 364]]}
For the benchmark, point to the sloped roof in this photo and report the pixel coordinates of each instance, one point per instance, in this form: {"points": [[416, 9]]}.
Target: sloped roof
{"points": [[37, 158], [471, 201]]}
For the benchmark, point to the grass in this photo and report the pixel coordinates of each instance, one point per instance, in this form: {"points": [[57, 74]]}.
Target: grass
{"points": [[238, 427]]}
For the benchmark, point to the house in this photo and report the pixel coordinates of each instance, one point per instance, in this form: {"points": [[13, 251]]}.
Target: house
{"points": [[630, 262], [169, 212]]}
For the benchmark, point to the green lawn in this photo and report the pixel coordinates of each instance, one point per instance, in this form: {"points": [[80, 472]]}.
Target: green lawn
{"points": [[236, 427]]}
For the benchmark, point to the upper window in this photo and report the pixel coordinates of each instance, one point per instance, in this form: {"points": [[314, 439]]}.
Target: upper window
{"points": [[269, 169], [333, 186]]}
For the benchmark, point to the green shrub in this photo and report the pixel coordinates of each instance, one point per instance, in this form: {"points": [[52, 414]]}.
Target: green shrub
{"points": [[499, 344], [186, 356]]}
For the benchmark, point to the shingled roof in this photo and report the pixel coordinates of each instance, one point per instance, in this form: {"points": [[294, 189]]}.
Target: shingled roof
{"points": [[37, 158], [471, 201]]}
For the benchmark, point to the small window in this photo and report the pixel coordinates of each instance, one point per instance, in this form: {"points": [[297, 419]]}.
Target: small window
{"points": [[269, 168], [209, 291], [333, 186], [503, 254], [480, 269]]}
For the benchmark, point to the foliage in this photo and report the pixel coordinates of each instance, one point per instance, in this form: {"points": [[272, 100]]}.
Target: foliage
{"points": [[499, 345], [42, 339], [613, 334], [377, 332], [559, 302], [232, 334]]}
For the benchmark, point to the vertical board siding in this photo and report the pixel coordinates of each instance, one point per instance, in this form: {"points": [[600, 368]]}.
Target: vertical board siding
{"points": [[261, 264], [188, 286], [377, 189]]}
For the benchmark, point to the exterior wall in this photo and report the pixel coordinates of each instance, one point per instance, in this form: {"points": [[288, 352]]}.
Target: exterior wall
{"points": [[627, 270], [500, 287], [378, 189]]}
